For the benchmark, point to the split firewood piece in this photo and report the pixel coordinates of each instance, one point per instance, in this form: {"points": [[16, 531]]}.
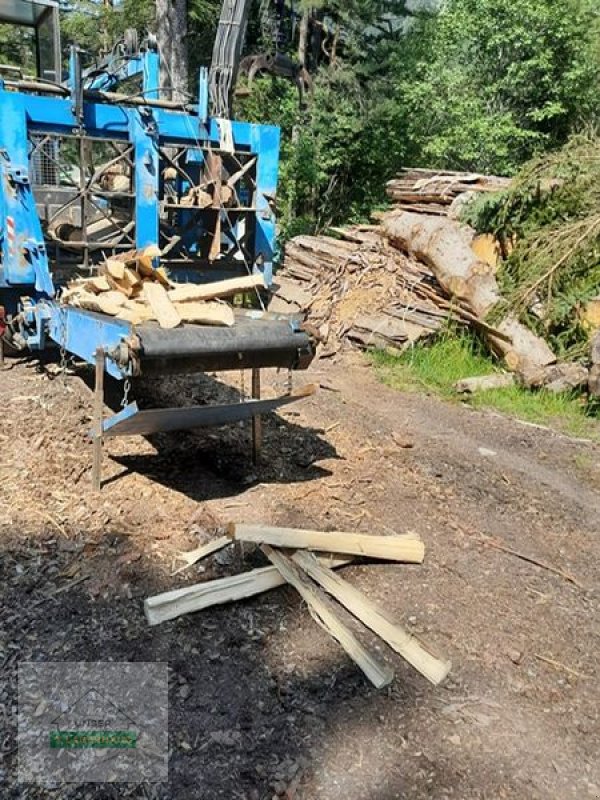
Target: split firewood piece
{"points": [[214, 165], [137, 315], [170, 605], [98, 284], [115, 268], [206, 313], [237, 176], [192, 556], [106, 303], [144, 259], [219, 289], [143, 262], [197, 197], [375, 618], [408, 548], [130, 284], [157, 298], [321, 610]]}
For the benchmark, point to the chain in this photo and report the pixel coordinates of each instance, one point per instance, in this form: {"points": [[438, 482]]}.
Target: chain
{"points": [[63, 346], [290, 381], [242, 386], [126, 389]]}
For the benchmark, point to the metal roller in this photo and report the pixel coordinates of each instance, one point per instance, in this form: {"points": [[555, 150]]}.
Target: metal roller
{"points": [[249, 343]]}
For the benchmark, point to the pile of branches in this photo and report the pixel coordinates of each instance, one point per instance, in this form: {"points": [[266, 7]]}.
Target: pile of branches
{"points": [[552, 216]]}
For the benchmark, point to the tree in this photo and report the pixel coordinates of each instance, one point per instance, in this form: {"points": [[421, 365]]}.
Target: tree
{"points": [[486, 84], [171, 27]]}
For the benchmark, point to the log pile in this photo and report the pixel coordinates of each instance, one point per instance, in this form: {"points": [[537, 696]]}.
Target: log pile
{"points": [[333, 602], [439, 193], [130, 288], [359, 289], [445, 246]]}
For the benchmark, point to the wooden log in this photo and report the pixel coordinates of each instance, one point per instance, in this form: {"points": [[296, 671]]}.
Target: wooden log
{"points": [[595, 348], [565, 377], [177, 602], [594, 380], [445, 246], [157, 298], [375, 618], [408, 548], [484, 383], [187, 292], [487, 249], [206, 313], [322, 612]]}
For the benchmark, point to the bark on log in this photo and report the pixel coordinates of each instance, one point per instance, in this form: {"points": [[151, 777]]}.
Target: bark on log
{"points": [[445, 246], [594, 381], [595, 348]]}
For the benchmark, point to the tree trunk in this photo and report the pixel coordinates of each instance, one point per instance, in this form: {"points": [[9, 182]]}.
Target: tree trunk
{"points": [[445, 246], [171, 25], [303, 37], [179, 51], [163, 33]]}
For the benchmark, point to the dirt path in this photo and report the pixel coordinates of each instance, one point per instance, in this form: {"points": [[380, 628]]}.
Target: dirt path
{"points": [[260, 698]]}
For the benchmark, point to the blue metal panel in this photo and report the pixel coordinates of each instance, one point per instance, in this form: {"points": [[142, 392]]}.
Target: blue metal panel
{"points": [[265, 142], [203, 96], [24, 255], [151, 79], [83, 332], [144, 134]]}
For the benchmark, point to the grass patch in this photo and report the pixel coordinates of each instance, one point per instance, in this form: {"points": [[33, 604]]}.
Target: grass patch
{"points": [[455, 355]]}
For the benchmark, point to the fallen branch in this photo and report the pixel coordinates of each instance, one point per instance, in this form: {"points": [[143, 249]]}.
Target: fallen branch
{"points": [[560, 665], [531, 560]]}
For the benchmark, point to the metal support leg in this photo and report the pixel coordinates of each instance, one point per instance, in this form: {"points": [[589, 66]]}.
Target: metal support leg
{"points": [[98, 417], [256, 421]]}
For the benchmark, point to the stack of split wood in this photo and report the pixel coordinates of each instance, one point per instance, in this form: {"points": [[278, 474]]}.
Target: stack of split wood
{"points": [[359, 289], [334, 603], [129, 287], [440, 193]]}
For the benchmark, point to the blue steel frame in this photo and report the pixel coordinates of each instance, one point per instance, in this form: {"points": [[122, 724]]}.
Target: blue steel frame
{"points": [[24, 265]]}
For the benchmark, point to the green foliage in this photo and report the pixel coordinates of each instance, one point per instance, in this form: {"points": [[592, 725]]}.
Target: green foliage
{"points": [[17, 48], [491, 83], [95, 27], [553, 213], [454, 356]]}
